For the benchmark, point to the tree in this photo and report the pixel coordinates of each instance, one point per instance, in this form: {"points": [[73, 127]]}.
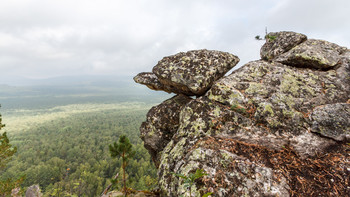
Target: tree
{"points": [[6, 152], [267, 36], [122, 149]]}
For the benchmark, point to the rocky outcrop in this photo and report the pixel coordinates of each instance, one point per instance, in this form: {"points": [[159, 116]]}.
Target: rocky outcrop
{"points": [[274, 127], [191, 73]]}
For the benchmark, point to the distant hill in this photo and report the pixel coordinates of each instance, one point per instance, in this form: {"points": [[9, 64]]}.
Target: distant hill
{"points": [[74, 89]]}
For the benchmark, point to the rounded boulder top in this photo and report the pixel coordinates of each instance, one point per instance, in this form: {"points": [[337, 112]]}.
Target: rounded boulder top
{"points": [[193, 72], [280, 42]]}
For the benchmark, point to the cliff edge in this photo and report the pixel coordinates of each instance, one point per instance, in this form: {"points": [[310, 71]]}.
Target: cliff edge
{"points": [[279, 126]]}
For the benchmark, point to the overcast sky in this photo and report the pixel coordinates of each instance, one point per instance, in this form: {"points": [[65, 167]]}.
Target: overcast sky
{"points": [[48, 38]]}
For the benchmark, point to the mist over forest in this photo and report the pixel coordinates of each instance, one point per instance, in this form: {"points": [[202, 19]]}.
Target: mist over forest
{"points": [[50, 92], [62, 128]]}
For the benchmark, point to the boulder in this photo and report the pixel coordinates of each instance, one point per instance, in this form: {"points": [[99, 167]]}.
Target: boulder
{"points": [[193, 72], [190, 73], [317, 54], [280, 42], [271, 128], [33, 191]]}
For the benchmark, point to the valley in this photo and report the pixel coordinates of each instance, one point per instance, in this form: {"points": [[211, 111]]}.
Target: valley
{"points": [[62, 136]]}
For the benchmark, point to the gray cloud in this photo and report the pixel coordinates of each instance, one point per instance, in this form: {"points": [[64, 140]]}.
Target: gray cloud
{"points": [[40, 38], [324, 19]]}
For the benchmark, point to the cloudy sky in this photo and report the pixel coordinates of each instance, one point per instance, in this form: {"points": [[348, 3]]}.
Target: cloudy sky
{"points": [[49, 38]]}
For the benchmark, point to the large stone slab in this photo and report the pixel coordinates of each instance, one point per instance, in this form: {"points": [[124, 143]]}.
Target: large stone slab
{"points": [[318, 54], [193, 72]]}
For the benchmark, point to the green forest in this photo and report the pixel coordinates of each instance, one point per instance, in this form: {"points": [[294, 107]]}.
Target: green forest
{"points": [[67, 154]]}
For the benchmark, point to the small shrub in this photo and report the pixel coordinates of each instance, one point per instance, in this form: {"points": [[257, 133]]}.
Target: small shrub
{"points": [[190, 179]]}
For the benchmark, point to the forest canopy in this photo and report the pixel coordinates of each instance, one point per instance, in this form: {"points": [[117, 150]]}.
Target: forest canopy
{"points": [[70, 155]]}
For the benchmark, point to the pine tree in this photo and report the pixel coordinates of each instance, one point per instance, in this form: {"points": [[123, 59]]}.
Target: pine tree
{"points": [[6, 152], [122, 149]]}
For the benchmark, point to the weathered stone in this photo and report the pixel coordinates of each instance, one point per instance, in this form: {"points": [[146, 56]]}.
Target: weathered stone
{"points": [[150, 80], [343, 72], [228, 174], [280, 42], [161, 124], [33, 191], [193, 72], [267, 129], [318, 54], [333, 121]]}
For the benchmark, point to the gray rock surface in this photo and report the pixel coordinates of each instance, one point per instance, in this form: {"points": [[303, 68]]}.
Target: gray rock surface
{"points": [[271, 128], [161, 124], [193, 72], [318, 54], [150, 80], [33, 191], [189, 73], [280, 42], [332, 120]]}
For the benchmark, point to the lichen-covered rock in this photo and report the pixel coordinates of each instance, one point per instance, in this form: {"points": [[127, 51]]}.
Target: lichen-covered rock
{"points": [[229, 174], [274, 93], [150, 80], [280, 42], [318, 54], [332, 120], [161, 124], [33, 191], [193, 72], [267, 129]]}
